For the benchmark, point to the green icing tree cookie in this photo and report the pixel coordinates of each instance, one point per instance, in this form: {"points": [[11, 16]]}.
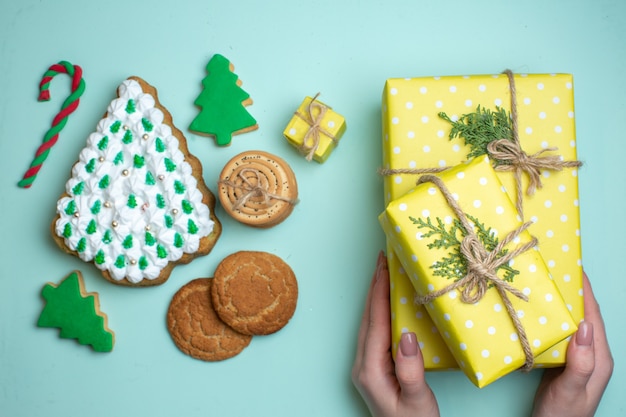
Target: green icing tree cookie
{"points": [[222, 102], [77, 313]]}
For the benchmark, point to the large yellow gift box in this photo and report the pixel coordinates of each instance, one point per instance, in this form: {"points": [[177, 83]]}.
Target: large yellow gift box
{"points": [[315, 129], [427, 236], [415, 136]]}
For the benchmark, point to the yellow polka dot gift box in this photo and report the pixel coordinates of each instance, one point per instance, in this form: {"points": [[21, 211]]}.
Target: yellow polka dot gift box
{"points": [[454, 228], [315, 129], [416, 136]]}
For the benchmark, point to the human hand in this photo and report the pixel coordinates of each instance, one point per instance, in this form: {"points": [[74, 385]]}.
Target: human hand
{"points": [[389, 390], [576, 389]]}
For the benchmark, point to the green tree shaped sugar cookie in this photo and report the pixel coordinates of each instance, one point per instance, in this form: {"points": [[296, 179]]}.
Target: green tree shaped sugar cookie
{"points": [[222, 102], [76, 313]]}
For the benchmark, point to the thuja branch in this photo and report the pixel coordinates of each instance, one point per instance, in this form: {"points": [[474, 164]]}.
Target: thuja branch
{"points": [[480, 128], [454, 264]]}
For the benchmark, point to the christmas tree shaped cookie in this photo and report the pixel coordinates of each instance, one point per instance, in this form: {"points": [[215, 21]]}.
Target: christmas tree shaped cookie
{"points": [[136, 204], [76, 313], [222, 102]]}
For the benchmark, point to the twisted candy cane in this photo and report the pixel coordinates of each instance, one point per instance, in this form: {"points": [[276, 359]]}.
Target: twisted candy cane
{"points": [[69, 105]]}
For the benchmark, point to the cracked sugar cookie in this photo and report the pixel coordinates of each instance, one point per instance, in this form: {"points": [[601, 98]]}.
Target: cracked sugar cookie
{"points": [[196, 329], [136, 204], [255, 293]]}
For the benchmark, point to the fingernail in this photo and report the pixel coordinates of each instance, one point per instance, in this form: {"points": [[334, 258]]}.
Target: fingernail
{"points": [[381, 254], [408, 344], [584, 335], [379, 264]]}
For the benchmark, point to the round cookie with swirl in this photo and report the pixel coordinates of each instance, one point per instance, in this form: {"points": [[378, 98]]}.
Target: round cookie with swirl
{"points": [[136, 204], [258, 189], [255, 293]]}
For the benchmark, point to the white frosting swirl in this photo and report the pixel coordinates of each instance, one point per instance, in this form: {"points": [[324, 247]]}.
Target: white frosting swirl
{"points": [[133, 203]]}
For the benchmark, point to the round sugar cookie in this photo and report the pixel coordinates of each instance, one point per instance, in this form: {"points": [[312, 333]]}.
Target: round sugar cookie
{"points": [[258, 189], [255, 293], [195, 327]]}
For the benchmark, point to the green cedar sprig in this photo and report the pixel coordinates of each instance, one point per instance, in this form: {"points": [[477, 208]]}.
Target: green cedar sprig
{"points": [[454, 265], [480, 128]]}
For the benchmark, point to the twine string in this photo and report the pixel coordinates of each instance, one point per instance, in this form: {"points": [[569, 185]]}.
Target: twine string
{"points": [[510, 157], [482, 266], [312, 135], [257, 188]]}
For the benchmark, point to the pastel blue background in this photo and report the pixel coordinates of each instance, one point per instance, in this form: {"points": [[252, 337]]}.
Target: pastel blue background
{"points": [[282, 50]]}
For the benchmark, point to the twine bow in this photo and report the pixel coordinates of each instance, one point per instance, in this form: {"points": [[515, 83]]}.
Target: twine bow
{"points": [[482, 265], [315, 129], [258, 188], [509, 156]]}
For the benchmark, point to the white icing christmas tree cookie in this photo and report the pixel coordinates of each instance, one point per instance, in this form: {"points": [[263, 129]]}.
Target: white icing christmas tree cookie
{"points": [[136, 204]]}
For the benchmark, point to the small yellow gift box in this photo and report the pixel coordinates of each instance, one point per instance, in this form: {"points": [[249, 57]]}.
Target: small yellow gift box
{"points": [[431, 239], [315, 129], [415, 136]]}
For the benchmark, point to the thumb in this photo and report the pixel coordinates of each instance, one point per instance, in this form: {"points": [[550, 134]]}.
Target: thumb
{"points": [[580, 359], [410, 367]]}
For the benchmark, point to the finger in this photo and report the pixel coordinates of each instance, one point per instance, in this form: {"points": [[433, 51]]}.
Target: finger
{"points": [[414, 391], [603, 358], [580, 360], [410, 366], [593, 314], [365, 318], [378, 338]]}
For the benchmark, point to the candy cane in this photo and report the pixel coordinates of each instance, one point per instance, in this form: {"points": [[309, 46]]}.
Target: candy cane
{"points": [[69, 105]]}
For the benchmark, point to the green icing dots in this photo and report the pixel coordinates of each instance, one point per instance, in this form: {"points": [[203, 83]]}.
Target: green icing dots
{"points": [[107, 238], [170, 166], [130, 106], [132, 201], [147, 125], [179, 187], [103, 143], [139, 161], [120, 262], [95, 209], [128, 242], [150, 240], [100, 257], [169, 221], [67, 230], [143, 263], [81, 245], [161, 252], [192, 228], [160, 201], [97, 206], [71, 208], [115, 127], [104, 182], [128, 137], [91, 227], [187, 207], [119, 158], [78, 188], [178, 241], [159, 145], [150, 178], [91, 166]]}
